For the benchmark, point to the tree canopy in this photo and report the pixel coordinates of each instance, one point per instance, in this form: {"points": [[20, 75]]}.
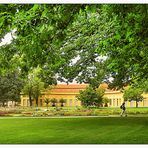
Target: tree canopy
{"points": [[86, 43], [10, 88], [91, 96], [133, 94], [33, 86], [118, 32]]}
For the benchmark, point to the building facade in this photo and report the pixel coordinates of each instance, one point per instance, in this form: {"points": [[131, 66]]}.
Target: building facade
{"points": [[60, 91], [69, 93]]}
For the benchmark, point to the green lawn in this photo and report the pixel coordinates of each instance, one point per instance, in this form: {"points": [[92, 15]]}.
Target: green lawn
{"points": [[103, 130]]}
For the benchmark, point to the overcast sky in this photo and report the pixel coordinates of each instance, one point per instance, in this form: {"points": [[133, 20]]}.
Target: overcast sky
{"points": [[7, 39]]}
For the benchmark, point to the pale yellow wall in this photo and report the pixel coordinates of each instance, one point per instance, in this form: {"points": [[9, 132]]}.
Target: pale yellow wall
{"points": [[71, 100], [116, 99]]}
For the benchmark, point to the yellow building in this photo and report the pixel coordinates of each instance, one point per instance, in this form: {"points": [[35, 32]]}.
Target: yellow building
{"points": [[69, 92]]}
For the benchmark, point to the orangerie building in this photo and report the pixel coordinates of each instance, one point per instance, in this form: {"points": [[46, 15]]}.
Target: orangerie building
{"points": [[69, 92]]}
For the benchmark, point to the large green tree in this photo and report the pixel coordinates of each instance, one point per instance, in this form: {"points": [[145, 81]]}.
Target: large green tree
{"points": [[118, 32], [83, 63], [126, 46], [51, 36], [39, 32]]}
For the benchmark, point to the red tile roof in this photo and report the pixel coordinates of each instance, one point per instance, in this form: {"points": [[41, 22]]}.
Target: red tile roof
{"points": [[74, 88], [70, 88]]}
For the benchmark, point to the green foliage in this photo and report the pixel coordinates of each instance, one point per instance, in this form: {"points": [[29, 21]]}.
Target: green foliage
{"points": [[133, 94], [142, 84], [82, 62], [52, 36], [128, 40], [39, 32], [38, 87], [10, 87], [33, 86], [62, 101], [91, 97], [47, 101], [145, 85], [116, 31], [28, 90], [53, 101], [106, 101]]}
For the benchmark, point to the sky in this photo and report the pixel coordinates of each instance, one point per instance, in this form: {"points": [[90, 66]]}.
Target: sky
{"points": [[7, 39]]}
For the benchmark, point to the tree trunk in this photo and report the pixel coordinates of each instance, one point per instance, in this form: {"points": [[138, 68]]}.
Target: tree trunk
{"points": [[47, 106], [36, 100], [106, 105], [3, 103], [30, 100], [136, 104]]}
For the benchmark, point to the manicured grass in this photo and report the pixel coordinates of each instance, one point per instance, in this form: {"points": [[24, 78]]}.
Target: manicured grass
{"points": [[100, 130]]}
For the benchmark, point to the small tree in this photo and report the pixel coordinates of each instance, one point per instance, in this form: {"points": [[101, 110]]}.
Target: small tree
{"points": [[100, 95], [62, 101], [53, 101], [47, 101], [105, 101], [38, 86], [133, 94], [91, 97], [28, 88], [33, 85]]}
